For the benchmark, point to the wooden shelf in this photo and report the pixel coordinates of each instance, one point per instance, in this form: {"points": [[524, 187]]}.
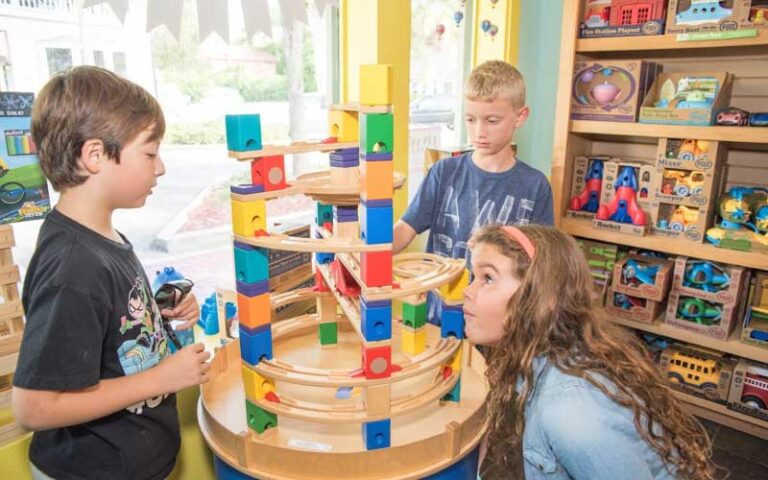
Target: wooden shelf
{"points": [[716, 412], [666, 42], [722, 134], [703, 251], [732, 345]]}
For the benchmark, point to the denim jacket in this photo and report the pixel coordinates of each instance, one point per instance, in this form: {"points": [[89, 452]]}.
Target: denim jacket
{"points": [[574, 431]]}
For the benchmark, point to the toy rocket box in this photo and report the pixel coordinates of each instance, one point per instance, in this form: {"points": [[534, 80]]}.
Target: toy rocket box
{"points": [[687, 16], [610, 91], [625, 18], [698, 372], [633, 308], [686, 98], [586, 186], [23, 189], [749, 389], [643, 277], [613, 173]]}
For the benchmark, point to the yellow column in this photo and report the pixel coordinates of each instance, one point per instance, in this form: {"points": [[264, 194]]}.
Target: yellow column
{"points": [[504, 16], [379, 31]]}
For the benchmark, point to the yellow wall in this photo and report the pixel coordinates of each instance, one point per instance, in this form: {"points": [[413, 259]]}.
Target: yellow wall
{"points": [[379, 31], [505, 14]]}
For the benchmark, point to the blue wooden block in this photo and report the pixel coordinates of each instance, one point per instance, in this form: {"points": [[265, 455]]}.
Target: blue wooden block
{"points": [[324, 258], [377, 434], [452, 321], [455, 394], [243, 132], [376, 320], [251, 263], [255, 345], [376, 223]]}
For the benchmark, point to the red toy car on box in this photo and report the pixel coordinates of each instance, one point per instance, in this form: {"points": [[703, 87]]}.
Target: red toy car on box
{"points": [[755, 391], [733, 116]]}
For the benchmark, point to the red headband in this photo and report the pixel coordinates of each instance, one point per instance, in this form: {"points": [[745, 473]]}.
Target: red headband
{"points": [[517, 235]]}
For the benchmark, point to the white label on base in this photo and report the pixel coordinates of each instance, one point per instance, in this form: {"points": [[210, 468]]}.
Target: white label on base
{"points": [[309, 445]]}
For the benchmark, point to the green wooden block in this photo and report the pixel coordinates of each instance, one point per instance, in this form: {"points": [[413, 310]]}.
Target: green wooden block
{"points": [[376, 132], [324, 214], [328, 333], [414, 316], [258, 418]]}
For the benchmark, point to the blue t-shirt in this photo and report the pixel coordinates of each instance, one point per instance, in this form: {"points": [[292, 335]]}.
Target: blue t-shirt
{"points": [[457, 198]]}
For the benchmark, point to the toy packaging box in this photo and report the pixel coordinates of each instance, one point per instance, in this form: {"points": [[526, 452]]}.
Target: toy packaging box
{"points": [[698, 372], [749, 389], [625, 200], [23, 188], [686, 98], [586, 186], [687, 177], [610, 91], [633, 308], [688, 16], [601, 258], [758, 15], [622, 18], [643, 277], [705, 297], [755, 326]]}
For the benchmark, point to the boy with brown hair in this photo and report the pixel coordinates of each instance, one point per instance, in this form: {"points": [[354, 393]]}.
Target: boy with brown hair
{"points": [[94, 379], [488, 185]]}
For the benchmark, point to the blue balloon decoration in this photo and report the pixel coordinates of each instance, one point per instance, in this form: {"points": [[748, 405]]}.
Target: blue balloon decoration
{"points": [[485, 26], [458, 16]]}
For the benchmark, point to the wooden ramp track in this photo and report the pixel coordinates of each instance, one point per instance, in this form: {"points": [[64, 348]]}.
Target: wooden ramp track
{"points": [[295, 147], [356, 107], [297, 244]]}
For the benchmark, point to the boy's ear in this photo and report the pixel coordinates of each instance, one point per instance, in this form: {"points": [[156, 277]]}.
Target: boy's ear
{"points": [[92, 156], [522, 116]]}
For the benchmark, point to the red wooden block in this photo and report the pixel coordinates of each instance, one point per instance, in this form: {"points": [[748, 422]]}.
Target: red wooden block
{"points": [[377, 362], [376, 268], [270, 172]]}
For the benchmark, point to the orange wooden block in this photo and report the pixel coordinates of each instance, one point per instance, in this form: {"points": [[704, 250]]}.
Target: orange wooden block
{"points": [[376, 179], [254, 312]]}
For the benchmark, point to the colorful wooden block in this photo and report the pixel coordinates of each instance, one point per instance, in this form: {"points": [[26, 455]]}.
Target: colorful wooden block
{"points": [[455, 394], [255, 345], [270, 172], [251, 263], [455, 362], [243, 132], [376, 268], [377, 361], [376, 180], [376, 224], [454, 290], [249, 218], [258, 418], [376, 133], [413, 341], [377, 434], [376, 320], [452, 321], [343, 125], [324, 258], [256, 387], [328, 333], [323, 214], [376, 84], [414, 315], [254, 311]]}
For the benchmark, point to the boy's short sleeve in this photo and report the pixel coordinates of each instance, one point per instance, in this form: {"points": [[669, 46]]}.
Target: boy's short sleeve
{"points": [[62, 345], [421, 211], [543, 212]]}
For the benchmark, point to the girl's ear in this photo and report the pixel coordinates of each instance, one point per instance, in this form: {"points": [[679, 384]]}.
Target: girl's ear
{"points": [[92, 156]]}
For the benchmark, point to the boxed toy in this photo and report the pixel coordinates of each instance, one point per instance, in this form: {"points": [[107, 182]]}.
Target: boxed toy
{"points": [[687, 16], [698, 372], [686, 98], [643, 277], [601, 258], [622, 18], [705, 297], [625, 200], [610, 91], [749, 389], [633, 308], [586, 186], [758, 15], [755, 329]]}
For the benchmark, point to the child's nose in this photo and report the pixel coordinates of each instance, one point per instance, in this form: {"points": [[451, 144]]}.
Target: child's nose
{"points": [[159, 167]]}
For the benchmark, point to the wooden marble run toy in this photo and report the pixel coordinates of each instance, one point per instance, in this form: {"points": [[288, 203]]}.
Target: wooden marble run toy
{"points": [[346, 392]]}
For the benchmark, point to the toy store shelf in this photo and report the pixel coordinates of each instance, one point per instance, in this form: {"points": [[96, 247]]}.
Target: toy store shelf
{"points": [[732, 345], [665, 42], [755, 259], [722, 134], [716, 412]]}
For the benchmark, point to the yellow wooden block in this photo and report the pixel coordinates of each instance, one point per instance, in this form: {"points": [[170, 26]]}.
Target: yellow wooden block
{"points": [[249, 217], [413, 342], [256, 386], [454, 290], [343, 125], [455, 362], [376, 85]]}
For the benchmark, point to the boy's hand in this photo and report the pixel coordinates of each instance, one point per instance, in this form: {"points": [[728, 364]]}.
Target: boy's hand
{"points": [[186, 368], [187, 310]]}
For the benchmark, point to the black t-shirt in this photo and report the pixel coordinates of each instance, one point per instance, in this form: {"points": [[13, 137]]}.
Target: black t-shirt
{"points": [[91, 316]]}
